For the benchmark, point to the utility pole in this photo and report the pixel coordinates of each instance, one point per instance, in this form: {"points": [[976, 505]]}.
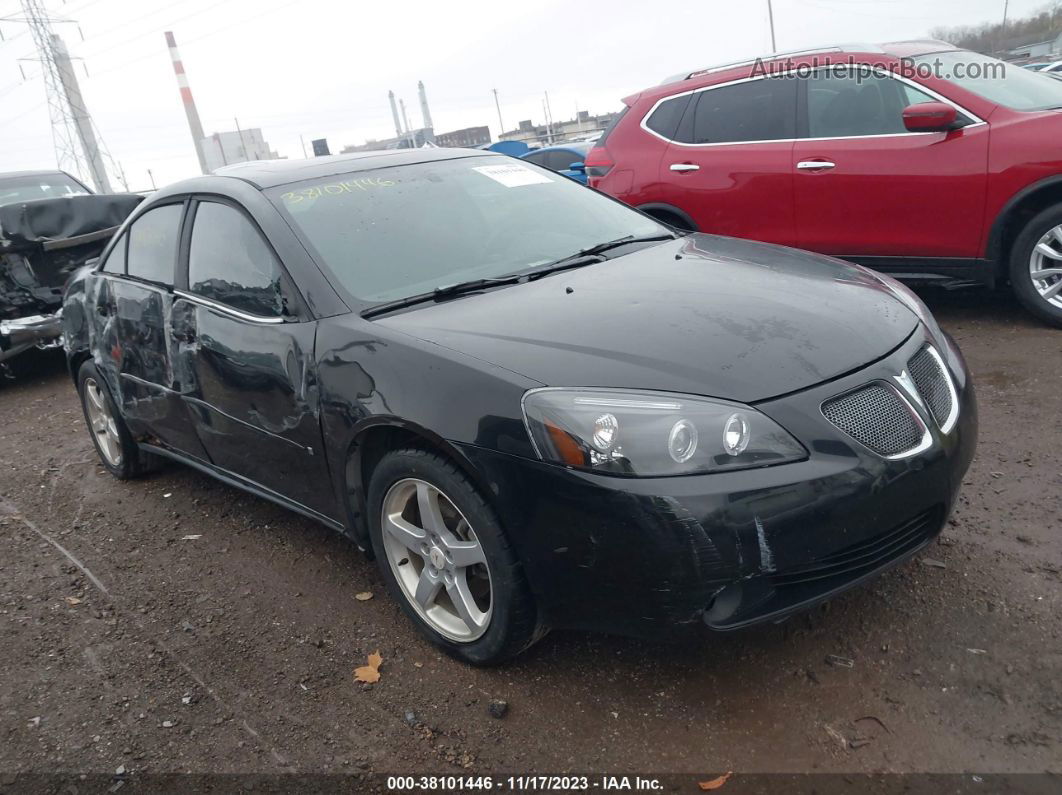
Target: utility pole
{"points": [[501, 124], [74, 138], [770, 17]]}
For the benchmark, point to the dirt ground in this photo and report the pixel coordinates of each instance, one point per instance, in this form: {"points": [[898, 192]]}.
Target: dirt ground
{"points": [[218, 633]]}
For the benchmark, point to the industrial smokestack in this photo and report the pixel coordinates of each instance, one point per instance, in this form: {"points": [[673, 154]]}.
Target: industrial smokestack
{"points": [[189, 104], [394, 114], [424, 104]]}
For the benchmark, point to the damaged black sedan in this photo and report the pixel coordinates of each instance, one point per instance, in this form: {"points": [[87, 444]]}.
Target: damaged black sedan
{"points": [[536, 407]]}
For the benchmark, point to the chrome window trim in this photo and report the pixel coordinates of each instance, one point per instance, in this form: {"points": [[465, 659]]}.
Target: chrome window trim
{"points": [[977, 120], [227, 310]]}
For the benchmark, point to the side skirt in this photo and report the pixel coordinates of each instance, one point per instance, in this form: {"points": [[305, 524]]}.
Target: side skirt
{"points": [[947, 272], [232, 479]]}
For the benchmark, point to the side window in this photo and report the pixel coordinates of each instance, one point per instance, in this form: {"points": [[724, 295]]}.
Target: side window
{"points": [[538, 158], [561, 159], [230, 263], [115, 262], [914, 96], [665, 119], [757, 110], [858, 103], [152, 247]]}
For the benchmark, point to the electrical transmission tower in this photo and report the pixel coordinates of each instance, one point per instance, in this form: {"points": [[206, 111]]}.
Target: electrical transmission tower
{"points": [[78, 147]]}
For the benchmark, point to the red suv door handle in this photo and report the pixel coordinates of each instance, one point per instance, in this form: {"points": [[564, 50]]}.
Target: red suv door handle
{"points": [[681, 167], [816, 165]]}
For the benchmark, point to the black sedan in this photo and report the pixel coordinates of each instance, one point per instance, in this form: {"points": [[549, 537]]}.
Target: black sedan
{"points": [[535, 406]]}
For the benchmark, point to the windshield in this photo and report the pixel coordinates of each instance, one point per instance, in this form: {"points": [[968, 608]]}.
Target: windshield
{"points": [[996, 81], [392, 233], [39, 186]]}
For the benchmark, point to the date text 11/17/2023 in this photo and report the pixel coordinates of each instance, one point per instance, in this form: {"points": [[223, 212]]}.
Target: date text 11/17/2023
{"points": [[523, 783]]}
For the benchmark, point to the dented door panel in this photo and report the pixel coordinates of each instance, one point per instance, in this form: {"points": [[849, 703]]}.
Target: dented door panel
{"points": [[252, 391]]}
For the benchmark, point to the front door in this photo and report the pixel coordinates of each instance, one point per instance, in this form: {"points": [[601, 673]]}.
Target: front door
{"points": [[727, 164], [248, 360], [137, 298], [865, 187]]}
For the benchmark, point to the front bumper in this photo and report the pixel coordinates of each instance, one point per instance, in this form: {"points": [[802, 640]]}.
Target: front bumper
{"points": [[20, 334], [638, 556]]}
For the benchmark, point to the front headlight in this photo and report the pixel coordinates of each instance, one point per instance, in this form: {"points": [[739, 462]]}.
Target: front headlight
{"points": [[628, 432]]}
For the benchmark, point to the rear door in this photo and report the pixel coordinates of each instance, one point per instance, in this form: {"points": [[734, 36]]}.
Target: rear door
{"points": [[136, 299], [728, 161], [865, 187], [247, 357]]}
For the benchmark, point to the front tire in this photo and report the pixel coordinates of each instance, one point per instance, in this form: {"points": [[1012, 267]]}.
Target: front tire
{"points": [[114, 443], [445, 559], [1036, 266]]}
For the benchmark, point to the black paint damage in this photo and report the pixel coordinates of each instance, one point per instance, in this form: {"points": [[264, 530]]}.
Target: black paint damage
{"points": [[299, 411], [42, 242]]}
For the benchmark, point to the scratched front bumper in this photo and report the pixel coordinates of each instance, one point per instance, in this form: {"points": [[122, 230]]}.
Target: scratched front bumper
{"points": [[640, 556]]}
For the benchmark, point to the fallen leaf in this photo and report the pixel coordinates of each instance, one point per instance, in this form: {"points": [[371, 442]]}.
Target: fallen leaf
{"points": [[363, 596], [369, 673], [715, 783], [72, 600]]}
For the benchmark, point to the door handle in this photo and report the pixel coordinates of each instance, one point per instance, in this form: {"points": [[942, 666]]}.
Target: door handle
{"points": [[680, 167], [816, 165]]}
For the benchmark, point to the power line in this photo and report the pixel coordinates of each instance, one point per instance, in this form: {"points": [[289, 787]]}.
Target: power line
{"points": [[78, 147]]}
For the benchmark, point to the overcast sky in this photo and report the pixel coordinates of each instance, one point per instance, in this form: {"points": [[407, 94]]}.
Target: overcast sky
{"points": [[323, 69]]}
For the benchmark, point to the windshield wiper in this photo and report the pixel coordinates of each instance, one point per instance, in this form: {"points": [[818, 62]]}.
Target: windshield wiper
{"points": [[443, 292], [586, 256], [591, 255]]}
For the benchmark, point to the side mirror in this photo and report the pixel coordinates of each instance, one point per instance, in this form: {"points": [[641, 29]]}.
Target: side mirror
{"points": [[580, 167], [930, 117]]}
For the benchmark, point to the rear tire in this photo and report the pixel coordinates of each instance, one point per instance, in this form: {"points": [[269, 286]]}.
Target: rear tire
{"points": [[114, 444], [1038, 249], [455, 574]]}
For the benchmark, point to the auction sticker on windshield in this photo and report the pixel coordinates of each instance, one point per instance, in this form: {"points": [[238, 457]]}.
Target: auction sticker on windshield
{"points": [[513, 176]]}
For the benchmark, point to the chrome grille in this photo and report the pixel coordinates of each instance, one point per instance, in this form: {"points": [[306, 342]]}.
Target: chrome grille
{"points": [[932, 383], [876, 416]]}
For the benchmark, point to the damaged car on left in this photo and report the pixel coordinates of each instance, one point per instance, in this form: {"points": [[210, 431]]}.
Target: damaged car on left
{"points": [[51, 224]]}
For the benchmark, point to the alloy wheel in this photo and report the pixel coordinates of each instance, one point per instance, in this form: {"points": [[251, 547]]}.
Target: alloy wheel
{"points": [[437, 559], [102, 423], [1045, 267]]}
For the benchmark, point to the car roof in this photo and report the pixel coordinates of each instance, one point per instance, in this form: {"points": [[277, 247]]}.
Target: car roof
{"points": [[897, 49], [271, 173], [51, 172]]}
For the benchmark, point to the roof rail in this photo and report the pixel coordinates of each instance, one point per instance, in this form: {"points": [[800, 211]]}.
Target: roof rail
{"points": [[773, 57]]}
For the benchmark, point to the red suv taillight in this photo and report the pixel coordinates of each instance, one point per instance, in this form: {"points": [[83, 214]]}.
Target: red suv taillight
{"points": [[598, 163]]}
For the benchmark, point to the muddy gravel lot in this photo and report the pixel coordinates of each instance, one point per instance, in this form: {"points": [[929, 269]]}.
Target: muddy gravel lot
{"points": [[176, 624]]}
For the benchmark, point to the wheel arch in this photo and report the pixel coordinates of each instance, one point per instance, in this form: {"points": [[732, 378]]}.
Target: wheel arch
{"points": [[1016, 213], [659, 209], [371, 441]]}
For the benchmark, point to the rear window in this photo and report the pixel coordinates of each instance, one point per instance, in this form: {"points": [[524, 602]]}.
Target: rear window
{"points": [[665, 119], [41, 186], [611, 126]]}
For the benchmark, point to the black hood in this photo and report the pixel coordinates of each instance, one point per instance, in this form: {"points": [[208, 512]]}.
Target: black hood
{"points": [[704, 315]]}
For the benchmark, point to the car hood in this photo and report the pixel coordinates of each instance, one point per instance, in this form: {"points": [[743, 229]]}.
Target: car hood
{"points": [[704, 315]]}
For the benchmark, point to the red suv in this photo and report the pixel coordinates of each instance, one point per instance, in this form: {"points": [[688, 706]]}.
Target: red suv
{"points": [[915, 158]]}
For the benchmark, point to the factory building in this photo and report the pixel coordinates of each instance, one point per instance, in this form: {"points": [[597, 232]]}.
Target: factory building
{"points": [[239, 146]]}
